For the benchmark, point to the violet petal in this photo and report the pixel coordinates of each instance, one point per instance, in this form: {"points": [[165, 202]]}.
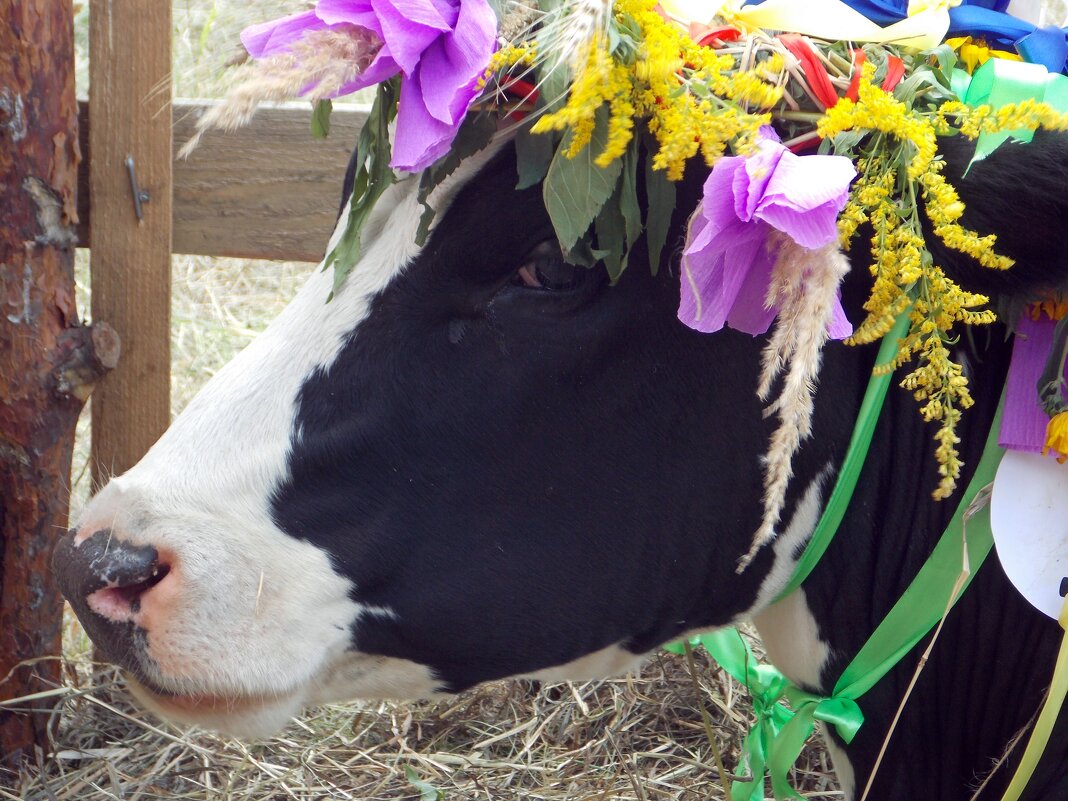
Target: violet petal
{"points": [[839, 327], [421, 139], [749, 310], [451, 67], [750, 184], [354, 12], [805, 195], [706, 281], [408, 27], [278, 36]]}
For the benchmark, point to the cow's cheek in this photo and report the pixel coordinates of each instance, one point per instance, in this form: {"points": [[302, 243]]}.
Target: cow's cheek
{"points": [[161, 619]]}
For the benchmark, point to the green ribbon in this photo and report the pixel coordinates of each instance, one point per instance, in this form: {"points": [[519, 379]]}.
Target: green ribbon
{"points": [[779, 733], [857, 452], [1000, 82], [767, 688]]}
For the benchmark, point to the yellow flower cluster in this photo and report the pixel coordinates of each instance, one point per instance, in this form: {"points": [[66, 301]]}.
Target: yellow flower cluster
{"points": [[944, 207], [876, 110], [707, 105], [509, 56], [899, 175], [694, 100], [602, 80], [1027, 115], [1055, 307]]}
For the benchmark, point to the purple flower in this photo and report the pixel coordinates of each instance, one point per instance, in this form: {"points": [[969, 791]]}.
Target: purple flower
{"points": [[728, 261], [440, 48]]}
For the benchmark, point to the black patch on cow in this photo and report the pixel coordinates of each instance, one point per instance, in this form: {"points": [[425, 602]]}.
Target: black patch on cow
{"points": [[533, 490], [525, 478]]}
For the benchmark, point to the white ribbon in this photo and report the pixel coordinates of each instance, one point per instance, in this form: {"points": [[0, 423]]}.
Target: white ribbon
{"points": [[924, 27]]}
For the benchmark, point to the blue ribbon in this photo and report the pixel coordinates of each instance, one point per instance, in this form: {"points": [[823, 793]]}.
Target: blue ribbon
{"points": [[985, 19]]}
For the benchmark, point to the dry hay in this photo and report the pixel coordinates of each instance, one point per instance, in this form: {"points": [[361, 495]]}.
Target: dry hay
{"points": [[637, 737]]}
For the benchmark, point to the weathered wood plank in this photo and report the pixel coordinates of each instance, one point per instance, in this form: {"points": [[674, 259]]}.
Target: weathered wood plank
{"points": [[129, 100], [39, 336], [266, 191]]}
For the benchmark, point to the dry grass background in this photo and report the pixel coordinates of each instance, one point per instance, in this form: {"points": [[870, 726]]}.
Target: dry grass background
{"points": [[638, 737]]}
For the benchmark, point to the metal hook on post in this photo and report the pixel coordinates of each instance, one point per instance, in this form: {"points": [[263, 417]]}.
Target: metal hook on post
{"points": [[140, 196]]}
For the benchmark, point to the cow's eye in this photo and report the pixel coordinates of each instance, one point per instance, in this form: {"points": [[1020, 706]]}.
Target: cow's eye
{"points": [[545, 269]]}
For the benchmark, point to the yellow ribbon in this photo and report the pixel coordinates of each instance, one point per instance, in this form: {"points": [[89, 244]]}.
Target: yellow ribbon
{"points": [[924, 27], [1036, 746]]}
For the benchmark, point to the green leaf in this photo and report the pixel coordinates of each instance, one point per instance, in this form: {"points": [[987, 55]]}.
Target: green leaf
{"points": [[845, 142], [660, 204], [320, 119], [373, 177], [476, 131], [553, 75], [583, 254], [427, 791], [947, 60], [611, 236], [628, 193], [534, 154], [576, 189], [553, 84]]}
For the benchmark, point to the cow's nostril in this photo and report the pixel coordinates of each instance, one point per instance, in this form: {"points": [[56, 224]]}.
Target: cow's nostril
{"points": [[120, 602], [107, 574]]}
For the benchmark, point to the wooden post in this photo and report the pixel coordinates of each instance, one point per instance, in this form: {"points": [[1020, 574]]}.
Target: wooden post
{"points": [[130, 143], [47, 360]]}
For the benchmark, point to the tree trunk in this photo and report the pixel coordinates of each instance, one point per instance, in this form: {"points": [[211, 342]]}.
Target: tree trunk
{"points": [[48, 361]]}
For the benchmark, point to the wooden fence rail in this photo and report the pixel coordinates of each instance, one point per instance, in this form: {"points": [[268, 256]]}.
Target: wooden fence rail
{"points": [[266, 191]]}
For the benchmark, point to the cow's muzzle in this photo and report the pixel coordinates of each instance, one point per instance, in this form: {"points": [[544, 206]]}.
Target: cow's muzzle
{"points": [[104, 579]]}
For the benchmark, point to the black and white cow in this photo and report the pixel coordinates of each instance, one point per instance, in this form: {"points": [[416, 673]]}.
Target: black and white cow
{"points": [[478, 461]]}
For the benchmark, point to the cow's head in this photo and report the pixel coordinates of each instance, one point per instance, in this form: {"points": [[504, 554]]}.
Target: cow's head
{"points": [[477, 461]]}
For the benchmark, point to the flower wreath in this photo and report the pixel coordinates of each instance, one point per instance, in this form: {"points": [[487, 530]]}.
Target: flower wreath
{"points": [[591, 85]]}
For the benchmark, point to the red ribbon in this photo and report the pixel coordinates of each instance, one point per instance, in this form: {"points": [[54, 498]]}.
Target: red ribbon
{"points": [[818, 78]]}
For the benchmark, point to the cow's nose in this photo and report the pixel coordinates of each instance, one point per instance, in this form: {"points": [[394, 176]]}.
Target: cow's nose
{"points": [[106, 575]]}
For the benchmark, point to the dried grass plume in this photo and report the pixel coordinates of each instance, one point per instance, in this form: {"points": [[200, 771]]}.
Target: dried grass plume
{"points": [[316, 67], [804, 287]]}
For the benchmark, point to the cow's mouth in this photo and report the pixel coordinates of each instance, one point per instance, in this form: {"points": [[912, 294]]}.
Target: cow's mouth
{"points": [[248, 716], [201, 708]]}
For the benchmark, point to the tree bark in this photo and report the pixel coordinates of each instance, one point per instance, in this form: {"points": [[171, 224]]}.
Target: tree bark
{"points": [[48, 361]]}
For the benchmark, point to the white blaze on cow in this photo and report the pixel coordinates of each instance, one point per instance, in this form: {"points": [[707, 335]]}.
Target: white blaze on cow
{"points": [[250, 624]]}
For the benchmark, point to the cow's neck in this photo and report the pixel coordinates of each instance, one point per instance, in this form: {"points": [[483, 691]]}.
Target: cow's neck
{"points": [[959, 717]]}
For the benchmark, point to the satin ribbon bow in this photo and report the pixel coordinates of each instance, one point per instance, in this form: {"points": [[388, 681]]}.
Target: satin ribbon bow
{"points": [[999, 82], [779, 733], [839, 711]]}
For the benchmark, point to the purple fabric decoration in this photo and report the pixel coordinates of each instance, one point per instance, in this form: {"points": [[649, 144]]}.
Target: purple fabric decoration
{"points": [[1023, 424], [727, 262], [440, 48]]}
